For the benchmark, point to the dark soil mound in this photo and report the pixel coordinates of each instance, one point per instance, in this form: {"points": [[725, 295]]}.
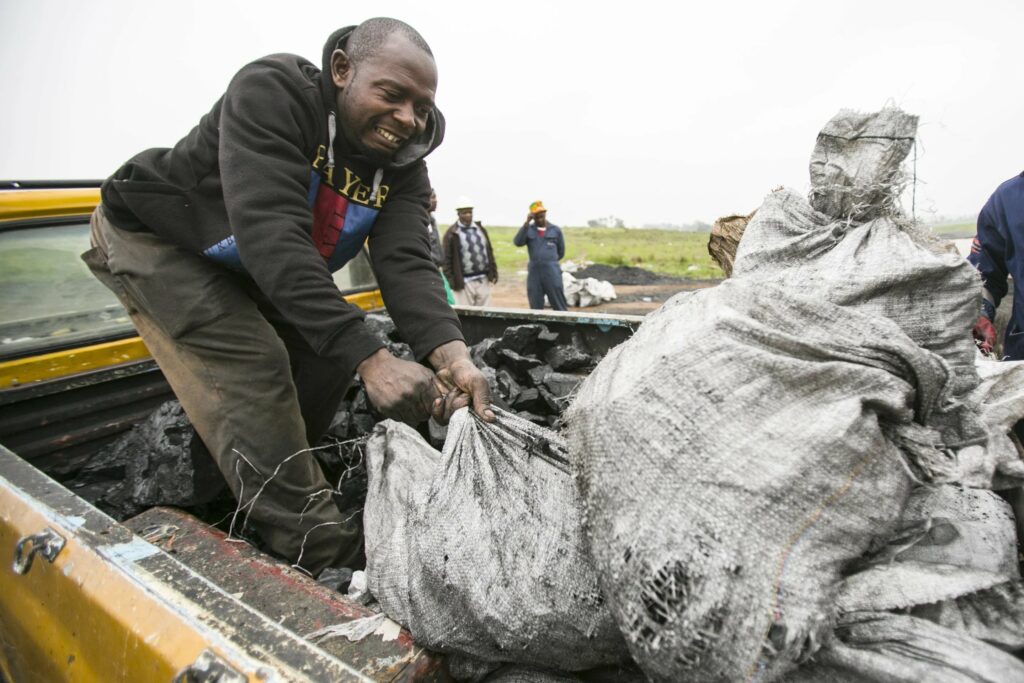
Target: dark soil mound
{"points": [[624, 275]]}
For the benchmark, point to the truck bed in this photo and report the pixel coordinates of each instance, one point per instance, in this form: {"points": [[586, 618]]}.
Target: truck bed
{"points": [[149, 598]]}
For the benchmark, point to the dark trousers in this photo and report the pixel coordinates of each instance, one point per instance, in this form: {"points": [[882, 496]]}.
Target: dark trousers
{"points": [[256, 392], [545, 279]]}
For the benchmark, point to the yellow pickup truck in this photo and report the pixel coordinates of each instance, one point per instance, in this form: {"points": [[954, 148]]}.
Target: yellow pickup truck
{"points": [[163, 596]]}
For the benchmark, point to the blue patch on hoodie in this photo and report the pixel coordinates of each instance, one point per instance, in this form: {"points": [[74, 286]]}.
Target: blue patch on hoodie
{"points": [[225, 253], [340, 228], [359, 221]]}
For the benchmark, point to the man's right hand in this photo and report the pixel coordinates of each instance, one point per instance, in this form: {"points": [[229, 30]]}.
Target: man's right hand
{"points": [[400, 389], [984, 333]]}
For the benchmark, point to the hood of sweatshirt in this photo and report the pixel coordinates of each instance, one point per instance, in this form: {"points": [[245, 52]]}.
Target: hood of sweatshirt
{"points": [[415, 149]]}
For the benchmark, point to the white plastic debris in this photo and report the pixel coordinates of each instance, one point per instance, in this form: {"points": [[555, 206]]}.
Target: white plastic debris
{"points": [[357, 588], [587, 291]]}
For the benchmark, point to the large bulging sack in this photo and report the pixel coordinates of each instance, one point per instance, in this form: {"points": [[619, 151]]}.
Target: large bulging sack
{"points": [[850, 245], [856, 166], [999, 398], [953, 566], [479, 550], [883, 267], [951, 541], [963, 527], [887, 648], [735, 455], [994, 615]]}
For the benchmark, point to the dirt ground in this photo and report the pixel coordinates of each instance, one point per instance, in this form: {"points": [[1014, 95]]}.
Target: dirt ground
{"points": [[510, 292]]}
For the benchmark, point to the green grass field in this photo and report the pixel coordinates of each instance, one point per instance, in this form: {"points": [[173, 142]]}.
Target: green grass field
{"points": [[668, 252], [954, 230], [41, 274]]}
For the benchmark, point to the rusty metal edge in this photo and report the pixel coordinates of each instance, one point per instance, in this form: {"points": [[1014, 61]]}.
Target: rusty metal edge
{"points": [[199, 603], [571, 317]]}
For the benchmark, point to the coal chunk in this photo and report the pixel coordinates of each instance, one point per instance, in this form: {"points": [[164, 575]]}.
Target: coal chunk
{"points": [[104, 466], [546, 337], [562, 384], [437, 433], [508, 387], [552, 405], [539, 373], [363, 423], [362, 415], [335, 578], [401, 350], [533, 417], [485, 353], [361, 402], [530, 400], [519, 364], [521, 339], [491, 375], [341, 423], [568, 357], [382, 327], [165, 463]]}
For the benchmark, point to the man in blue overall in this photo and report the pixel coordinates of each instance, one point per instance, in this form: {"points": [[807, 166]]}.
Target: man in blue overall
{"points": [[998, 252], [546, 247]]}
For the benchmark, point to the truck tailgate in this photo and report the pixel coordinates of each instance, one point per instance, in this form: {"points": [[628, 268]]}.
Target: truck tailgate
{"points": [[91, 601]]}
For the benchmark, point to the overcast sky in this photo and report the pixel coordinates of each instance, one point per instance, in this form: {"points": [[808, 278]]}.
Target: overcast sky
{"points": [[651, 111]]}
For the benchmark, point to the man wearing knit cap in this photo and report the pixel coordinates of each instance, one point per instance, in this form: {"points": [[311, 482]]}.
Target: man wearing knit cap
{"points": [[546, 247], [469, 259], [222, 250]]}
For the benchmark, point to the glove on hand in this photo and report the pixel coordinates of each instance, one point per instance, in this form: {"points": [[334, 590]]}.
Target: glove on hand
{"points": [[984, 333]]}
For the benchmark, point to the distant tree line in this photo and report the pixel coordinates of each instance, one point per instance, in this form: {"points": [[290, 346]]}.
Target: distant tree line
{"points": [[616, 222], [606, 222], [695, 226]]}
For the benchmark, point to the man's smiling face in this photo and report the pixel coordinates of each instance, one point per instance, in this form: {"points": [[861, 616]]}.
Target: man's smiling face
{"points": [[384, 100]]}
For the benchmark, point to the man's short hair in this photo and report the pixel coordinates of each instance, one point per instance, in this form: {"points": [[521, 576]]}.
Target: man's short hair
{"points": [[367, 39]]}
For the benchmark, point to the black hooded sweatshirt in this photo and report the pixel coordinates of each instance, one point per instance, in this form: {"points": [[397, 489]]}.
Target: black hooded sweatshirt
{"points": [[266, 187]]}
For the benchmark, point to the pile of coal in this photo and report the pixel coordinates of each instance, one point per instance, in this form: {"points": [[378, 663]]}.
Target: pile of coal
{"points": [[161, 461], [531, 374], [624, 275]]}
